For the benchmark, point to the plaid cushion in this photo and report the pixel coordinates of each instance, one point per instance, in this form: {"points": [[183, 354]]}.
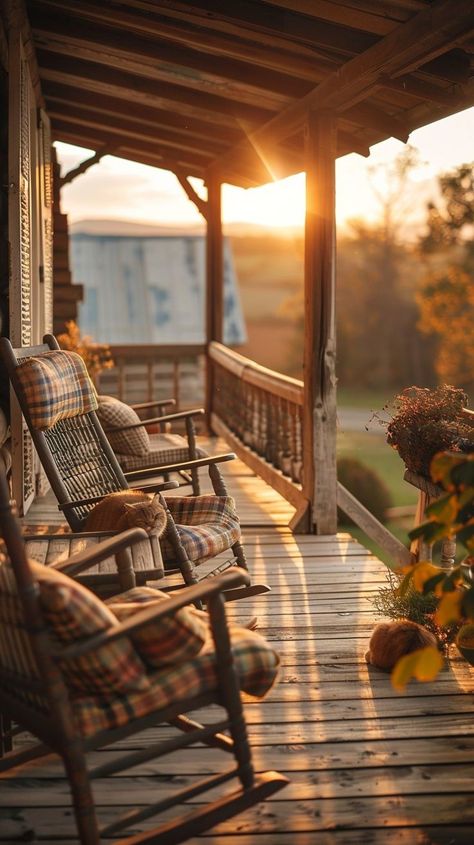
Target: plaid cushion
{"points": [[169, 640], [207, 525], [56, 386], [114, 414], [72, 613], [16, 655], [163, 449], [257, 668]]}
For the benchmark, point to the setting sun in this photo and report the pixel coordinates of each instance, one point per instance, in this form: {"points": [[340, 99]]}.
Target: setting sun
{"points": [[150, 195]]}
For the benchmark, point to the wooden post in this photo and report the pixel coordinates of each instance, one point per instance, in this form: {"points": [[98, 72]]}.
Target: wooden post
{"points": [[319, 411], [214, 281]]}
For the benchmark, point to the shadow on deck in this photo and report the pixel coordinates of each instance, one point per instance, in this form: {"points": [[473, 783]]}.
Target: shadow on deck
{"points": [[366, 765]]}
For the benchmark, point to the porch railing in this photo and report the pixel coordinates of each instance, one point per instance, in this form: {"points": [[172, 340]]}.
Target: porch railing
{"points": [[145, 372], [260, 414]]}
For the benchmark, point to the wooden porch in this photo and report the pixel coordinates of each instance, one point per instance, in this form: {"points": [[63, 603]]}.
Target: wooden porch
{"points": [[365, 764]]}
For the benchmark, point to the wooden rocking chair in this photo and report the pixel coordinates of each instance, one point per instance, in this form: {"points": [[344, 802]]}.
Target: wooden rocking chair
{"points": [[59, 404], [137, 448], [73, 675]]}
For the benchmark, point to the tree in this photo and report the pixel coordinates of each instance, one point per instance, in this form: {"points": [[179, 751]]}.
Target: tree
{"points": [[446, 298], [450, 221]]}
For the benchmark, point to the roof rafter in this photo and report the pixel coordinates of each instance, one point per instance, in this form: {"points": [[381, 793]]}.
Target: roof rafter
{"points": [[131, 86], [426, 35]]}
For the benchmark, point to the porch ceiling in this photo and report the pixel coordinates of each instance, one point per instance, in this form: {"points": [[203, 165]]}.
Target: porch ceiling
{"points": [[225, 87]]}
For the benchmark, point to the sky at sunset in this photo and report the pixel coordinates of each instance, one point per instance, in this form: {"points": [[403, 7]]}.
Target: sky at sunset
{"points": [[116, 189]]}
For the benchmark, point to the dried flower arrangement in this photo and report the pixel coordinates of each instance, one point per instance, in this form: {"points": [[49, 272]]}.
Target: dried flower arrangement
{"points": [[426, 421], [96, 356]]}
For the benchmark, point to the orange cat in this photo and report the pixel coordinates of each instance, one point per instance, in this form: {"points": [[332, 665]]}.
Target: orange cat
{"points": [[127, 509], [392, 640]]}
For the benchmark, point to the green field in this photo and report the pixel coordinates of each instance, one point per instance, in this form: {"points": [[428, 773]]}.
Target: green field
{"points": [[372, 450]]}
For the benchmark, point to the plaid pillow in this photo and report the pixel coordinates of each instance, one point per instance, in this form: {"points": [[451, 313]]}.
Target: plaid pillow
{"points": [[56, 386], [170, 640], [114, 414], [72, 613]]}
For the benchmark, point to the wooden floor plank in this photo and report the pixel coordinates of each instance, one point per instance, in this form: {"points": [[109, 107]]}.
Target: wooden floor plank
{"points": [[367, 766]]}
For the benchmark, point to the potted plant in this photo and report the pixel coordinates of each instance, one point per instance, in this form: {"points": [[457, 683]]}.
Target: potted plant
{"points": [[427, 421]]}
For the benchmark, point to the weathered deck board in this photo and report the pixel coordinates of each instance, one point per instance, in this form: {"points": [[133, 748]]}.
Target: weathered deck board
{"points": [[366, 765]]}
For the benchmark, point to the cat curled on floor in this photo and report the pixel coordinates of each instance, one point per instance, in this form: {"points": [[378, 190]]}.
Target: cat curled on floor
{"points": [[392, 640], [127, 509]]}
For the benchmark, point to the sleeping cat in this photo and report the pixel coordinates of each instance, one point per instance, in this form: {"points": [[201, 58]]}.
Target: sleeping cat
{"points": [[392, 640], [127, 509]]}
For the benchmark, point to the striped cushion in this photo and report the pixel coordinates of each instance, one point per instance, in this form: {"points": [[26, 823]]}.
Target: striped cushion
{"points": [[56, 386], [163, 449], [207, 526], [257, 668], [114, 414], [73, 613], [169, 640]]}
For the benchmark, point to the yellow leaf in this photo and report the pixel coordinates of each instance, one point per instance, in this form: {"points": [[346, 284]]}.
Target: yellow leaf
{"points": [[449, 608], [423, 664], [422, 572]]}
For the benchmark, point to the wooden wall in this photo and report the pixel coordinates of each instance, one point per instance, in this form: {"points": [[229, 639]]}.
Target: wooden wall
{"points": [[66, 294]]}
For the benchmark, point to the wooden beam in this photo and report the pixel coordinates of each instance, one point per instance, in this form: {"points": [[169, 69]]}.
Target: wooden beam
{"points": [[214, 280], [426, 35], [147, 115], [116, 140], [264, 24], [84, 166], [368, 115], [282, 55], [369, 18], [200, 204], [72, 135], [164, 162], [319, 410], [131, 129], [161, 59], [95, 76]]}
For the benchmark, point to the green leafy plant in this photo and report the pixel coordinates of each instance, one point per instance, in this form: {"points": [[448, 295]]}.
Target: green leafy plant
{"points": [[427, 421]]}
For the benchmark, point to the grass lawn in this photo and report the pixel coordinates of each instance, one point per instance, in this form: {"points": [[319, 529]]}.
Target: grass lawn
{"points": [[365, 399], [372, 450]]}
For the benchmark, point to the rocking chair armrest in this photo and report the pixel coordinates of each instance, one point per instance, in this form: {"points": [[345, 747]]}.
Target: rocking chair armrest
{"points": [[155, 403], [205, 589], [180, 415], [156, 487], [209, 460], [101, 551], [77, 503]]}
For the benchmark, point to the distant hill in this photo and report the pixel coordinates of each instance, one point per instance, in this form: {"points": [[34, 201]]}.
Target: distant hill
{"points": [[127, 228]]}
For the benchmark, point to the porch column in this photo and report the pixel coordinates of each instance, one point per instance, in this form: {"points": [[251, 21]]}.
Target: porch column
{"points": [[214, 279], [319, 413]]}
